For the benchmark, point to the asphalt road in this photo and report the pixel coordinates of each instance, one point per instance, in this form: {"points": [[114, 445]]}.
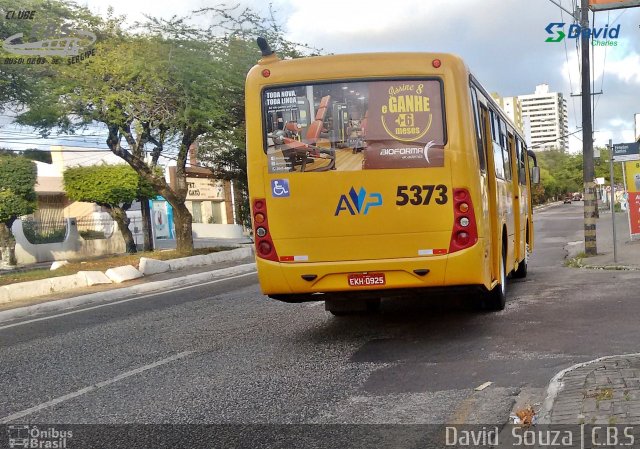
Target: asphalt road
{"points": [[223, 353]]}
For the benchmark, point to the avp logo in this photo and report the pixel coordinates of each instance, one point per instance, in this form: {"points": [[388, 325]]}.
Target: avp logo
{"points": [[556, 29], [354, 202]]}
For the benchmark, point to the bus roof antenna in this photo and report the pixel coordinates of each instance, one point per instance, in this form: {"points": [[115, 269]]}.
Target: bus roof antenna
{"points": [[264, 46]]}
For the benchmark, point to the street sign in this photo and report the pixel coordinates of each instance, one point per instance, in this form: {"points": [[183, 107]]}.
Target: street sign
{"points": [[626, 152], [604, 5]]}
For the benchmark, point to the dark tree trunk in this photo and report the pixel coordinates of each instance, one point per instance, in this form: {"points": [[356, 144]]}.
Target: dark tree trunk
{"points": [[7, 246], [146, 224], [120, 216], [184, 232], [182, 216]]}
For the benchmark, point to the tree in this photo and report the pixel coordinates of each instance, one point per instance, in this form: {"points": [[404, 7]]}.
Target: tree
{"points": [[19, 83], [18, 177], [223, 149], [156, 92], [113, 187], [149, 92]]}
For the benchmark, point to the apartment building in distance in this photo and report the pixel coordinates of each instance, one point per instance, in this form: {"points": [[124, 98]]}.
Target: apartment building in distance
{"points": [[511, 106], [545, 116]]}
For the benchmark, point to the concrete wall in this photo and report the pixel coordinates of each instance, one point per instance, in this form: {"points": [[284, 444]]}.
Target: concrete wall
{"points": [[73, 246], [223, 231]]}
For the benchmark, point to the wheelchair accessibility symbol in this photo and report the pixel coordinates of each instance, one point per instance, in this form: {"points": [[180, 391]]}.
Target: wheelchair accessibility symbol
{"points": [[280, 188]]}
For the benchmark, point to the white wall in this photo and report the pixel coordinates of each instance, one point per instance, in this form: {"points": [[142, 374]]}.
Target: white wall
{"points": [[73, 246], [223, 231]]}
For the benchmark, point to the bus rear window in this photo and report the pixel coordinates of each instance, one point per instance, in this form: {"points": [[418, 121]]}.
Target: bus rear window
{"points": [[350, 126]]}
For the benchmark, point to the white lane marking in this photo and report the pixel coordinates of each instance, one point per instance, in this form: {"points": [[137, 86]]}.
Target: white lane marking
{"points": [[315, 304], [75, 394], [49, 317]]}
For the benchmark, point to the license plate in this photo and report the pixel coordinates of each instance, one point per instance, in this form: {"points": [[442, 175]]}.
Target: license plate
{"points": [[366, 279]]}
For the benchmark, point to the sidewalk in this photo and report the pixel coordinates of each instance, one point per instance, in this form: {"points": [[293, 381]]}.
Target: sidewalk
{"points": [[606, 390], [627, 251], [603, 391]]}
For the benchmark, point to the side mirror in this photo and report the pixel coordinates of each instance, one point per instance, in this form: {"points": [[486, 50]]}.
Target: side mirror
{"points": [[535, 175]]}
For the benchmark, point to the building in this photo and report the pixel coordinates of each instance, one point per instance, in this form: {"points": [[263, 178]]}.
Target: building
{"points": [[512, 107], [52, 200], [210, 201], [545, 115]]}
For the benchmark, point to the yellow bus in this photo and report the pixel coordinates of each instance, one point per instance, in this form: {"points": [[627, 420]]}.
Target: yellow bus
{"points": [[378, 175]]}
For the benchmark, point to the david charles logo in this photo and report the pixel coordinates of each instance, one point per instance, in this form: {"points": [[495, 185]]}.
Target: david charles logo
{"points": [[358, 202], [602, 36]]}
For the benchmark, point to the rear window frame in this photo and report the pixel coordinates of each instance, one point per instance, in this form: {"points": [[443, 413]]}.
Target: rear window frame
{"points": [[439, 79]]}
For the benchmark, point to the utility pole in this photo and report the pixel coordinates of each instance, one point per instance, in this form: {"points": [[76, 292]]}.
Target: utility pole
{"points": [[590, 245]]}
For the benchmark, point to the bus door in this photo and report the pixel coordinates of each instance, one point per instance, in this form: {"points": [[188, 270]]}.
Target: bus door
{"points": [[481, 117], [523, 193], [518, 201], [507, 194], [492, 170]]}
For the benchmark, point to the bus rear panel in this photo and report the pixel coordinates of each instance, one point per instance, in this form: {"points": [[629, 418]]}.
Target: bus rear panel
{"points": [[365, 178]]}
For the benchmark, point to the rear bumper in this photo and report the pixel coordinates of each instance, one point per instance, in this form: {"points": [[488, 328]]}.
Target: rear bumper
{"points": [[469, 267]]}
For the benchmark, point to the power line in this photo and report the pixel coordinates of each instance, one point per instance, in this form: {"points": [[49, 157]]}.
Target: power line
{"points": [[604, 64], [556, 139], [566, 54]]}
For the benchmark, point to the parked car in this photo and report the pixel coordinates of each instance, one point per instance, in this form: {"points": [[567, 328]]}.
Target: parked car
{"points": [[567, 199], [577, 197]]}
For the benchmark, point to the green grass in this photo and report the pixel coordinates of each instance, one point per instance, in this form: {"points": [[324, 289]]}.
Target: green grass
{"points": [[576, 262], [99, 264]]}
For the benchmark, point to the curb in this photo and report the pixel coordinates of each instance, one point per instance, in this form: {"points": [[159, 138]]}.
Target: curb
{"points": [[556, 384], [611, 267], [544, 206], [42, 287], [122, 293]]}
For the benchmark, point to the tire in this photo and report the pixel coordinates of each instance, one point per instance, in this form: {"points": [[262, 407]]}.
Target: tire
{"points": [[521, 272], [497, 298]]}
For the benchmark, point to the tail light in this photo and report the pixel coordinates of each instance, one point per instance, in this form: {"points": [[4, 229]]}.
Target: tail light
{"points": [[264, 244], [465, 231]]}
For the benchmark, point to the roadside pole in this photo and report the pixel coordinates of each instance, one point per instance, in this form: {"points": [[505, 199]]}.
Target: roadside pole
{"points": [[613, 197], [590, 244]]}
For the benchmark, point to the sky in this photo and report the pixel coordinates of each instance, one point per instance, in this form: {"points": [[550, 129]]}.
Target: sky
{"points": [[502, 41]]}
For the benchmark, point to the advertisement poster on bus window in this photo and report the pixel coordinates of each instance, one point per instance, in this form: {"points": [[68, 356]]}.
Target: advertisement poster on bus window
{"points": [[408, 129], [351, 126], [632, 179]]}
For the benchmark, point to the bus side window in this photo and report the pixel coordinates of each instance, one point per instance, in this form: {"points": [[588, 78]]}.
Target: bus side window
{"points": [[522, 171], [509, 155], [480, 131], [506, 150], [498, 160]]}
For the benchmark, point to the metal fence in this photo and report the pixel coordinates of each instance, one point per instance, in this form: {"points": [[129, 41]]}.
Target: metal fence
{"points": [[53, 230], [94, 228]]}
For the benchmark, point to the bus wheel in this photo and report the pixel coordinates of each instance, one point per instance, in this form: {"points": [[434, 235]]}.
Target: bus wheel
{"points": [[497, 298], [521, 272]]}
